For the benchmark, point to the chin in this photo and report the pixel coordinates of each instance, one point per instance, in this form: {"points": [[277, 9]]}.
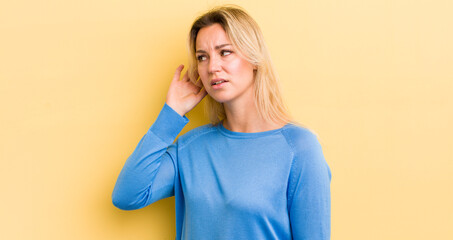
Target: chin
{"points": [[219, 99]]}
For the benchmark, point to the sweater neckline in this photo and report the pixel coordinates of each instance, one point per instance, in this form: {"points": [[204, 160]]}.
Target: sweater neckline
{"points": [[233, 134]]}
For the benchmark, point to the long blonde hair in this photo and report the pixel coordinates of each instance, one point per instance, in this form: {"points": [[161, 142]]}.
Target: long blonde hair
{"points": [[245, 36]]}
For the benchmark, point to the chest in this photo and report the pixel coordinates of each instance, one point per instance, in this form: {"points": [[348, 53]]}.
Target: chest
{"points": [[249, 177]]}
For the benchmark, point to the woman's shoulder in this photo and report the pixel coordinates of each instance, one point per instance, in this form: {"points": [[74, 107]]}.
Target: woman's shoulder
{"points": [[300, 137], [195, 133], [307, 149]]}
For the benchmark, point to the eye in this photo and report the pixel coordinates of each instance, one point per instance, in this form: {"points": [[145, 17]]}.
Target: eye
{"points": [[201, 58], [226, 52]]}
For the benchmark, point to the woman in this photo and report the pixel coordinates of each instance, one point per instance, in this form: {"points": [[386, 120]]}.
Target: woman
{"points": [[251, 173]]}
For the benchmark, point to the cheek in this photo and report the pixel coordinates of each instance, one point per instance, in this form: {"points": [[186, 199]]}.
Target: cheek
{"points": [[243, 69], [201, 70], [241, 65]]}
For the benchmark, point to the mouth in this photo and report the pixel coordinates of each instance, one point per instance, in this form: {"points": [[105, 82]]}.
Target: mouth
{"points": [[217, 81]]}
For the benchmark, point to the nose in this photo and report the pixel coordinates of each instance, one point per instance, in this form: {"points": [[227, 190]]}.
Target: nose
{"points": [[214, 64]]}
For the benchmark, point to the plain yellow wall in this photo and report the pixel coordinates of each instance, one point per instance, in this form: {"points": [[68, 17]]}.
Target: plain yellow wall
{"points": [[82, 81]]}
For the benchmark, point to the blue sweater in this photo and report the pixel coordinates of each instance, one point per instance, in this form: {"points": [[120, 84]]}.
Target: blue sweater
{"points": [[230, 185]]}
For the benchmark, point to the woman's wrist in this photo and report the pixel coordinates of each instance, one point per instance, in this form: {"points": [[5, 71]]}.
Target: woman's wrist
{"points": [[176, 109]]}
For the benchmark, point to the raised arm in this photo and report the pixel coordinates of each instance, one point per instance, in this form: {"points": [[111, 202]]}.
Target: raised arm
{"points": [[149, 173]]}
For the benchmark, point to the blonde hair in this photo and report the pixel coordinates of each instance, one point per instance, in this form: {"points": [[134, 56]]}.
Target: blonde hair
{"points": [[246, 36]]}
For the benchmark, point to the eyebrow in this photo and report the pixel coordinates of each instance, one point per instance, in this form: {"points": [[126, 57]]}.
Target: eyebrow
{"points": [[216, 47]]}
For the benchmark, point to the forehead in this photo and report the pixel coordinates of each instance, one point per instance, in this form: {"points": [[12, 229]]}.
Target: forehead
{"points": [[211, 36]]}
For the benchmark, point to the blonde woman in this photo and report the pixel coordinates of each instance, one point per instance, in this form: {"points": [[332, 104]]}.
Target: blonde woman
{"points": [[251, 173]]}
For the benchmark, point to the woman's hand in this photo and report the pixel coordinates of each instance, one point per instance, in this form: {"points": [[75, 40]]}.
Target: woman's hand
{"points": [[183, 95]]}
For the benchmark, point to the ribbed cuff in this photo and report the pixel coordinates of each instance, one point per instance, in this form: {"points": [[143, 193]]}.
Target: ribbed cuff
{"points": [[168, 124]]}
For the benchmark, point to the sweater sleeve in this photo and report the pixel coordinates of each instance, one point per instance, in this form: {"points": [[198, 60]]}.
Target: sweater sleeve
{"points": [[149, 173], [309, 190]]}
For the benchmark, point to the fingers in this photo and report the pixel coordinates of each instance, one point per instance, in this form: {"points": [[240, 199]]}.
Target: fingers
{"points": [[177, 75], [178, 72], [186, 77]]}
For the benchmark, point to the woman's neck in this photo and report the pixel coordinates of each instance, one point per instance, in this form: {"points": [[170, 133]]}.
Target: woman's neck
{"points": [[246, 118]]}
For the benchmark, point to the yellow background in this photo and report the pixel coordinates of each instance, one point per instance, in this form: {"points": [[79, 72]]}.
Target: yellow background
{"points": [[82, 81]]}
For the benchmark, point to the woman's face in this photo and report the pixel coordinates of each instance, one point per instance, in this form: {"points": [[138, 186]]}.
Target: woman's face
{"points": [[226, 76]]}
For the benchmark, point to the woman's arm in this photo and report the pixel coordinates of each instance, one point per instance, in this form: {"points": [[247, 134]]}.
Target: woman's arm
{"points": [[309, 206], [149, 173]]}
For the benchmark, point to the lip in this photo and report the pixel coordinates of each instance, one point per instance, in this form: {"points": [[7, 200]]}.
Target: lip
{"points": [[216, 80]]}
